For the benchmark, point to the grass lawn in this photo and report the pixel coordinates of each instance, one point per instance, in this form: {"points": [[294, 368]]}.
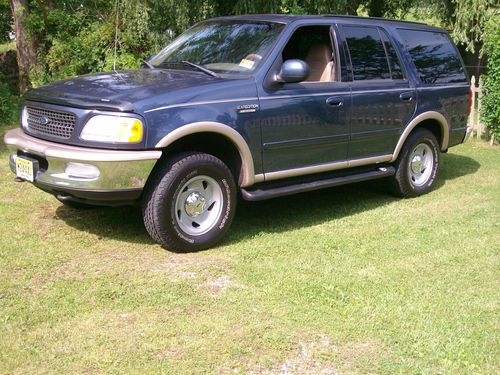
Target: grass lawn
{"points": [[345, 280]]}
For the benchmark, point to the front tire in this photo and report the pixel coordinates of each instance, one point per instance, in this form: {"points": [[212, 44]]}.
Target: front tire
{"points": [[190, 202], [417, 165]]}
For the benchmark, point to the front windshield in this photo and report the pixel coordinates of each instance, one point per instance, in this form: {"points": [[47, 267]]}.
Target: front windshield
{"points": [[222, 47]]}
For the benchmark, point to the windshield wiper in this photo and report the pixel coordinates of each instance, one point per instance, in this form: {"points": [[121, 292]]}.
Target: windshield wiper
{"points": [[148, 64], [200, 68]]}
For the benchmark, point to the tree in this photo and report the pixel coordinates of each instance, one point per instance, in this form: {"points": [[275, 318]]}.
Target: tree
{"points": [[26, 44], [470, 18]]}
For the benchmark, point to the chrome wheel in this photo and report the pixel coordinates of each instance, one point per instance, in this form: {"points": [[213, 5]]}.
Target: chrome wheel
{"points": [[198, 205], [421, 164]]}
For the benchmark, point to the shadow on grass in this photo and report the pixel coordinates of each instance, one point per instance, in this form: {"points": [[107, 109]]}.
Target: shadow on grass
{"points": [[4, 129], [272, 216]]}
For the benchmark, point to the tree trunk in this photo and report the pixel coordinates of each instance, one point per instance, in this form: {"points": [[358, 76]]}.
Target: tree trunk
{"points": [[26, 46]]}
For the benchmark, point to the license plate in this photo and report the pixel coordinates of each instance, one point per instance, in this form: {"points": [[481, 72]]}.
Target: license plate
{"points": [[25, 169]]}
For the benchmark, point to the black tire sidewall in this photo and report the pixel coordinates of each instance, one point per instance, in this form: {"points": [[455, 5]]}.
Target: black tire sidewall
{"points": [[166, 211]]}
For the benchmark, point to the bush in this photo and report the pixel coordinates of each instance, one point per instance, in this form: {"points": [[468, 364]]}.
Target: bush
{"points": [[490, 113], [9, 104]]}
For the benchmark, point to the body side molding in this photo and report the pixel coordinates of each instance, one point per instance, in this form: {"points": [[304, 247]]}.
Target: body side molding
{"points": [[247, 167], [430, 115]]}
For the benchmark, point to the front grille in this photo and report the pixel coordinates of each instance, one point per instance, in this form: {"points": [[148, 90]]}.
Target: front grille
{"points": [[55, 123]]}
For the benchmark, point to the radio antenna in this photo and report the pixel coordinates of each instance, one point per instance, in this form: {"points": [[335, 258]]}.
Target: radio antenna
{"points": [[117, 4]]}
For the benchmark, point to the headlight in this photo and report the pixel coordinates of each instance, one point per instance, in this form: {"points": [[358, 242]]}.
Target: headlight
{"points": [[113, 129]]}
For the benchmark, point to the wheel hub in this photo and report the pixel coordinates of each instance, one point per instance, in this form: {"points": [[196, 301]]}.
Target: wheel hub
{"points": [[195, 204], [416, 164], [421, 164]]}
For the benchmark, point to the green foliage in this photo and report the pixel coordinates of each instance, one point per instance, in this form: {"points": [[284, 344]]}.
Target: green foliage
{"points": [[9, 103], [82, 41], [5, 21], [470, 19], [490, 113]]}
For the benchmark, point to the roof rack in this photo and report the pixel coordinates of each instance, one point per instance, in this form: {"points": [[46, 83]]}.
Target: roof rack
{"points": [[371, 18]]}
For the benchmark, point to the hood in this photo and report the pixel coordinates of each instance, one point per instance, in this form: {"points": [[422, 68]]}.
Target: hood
{"points": [[116, 90]]}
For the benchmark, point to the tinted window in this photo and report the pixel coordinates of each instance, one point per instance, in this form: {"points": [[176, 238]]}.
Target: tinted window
{"points": [[434, 56], [367, 52], [394, 63]]}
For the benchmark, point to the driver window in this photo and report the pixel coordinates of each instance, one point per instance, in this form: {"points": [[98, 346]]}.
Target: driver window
{"points": [[313, 45]]}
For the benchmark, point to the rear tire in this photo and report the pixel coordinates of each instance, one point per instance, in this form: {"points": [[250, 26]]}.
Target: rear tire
{"points": [[190, 202], [417, 165]]}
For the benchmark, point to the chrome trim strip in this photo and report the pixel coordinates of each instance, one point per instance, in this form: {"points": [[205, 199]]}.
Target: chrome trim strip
{"points": [[329, 139], [247, 177], [443, 87], [383, 90], [17, 138], [431, 115], [201, 103], [327, 167], [347, 92]]}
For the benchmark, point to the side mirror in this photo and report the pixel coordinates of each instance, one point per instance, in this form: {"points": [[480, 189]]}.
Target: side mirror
{"points": [[293, 71]]}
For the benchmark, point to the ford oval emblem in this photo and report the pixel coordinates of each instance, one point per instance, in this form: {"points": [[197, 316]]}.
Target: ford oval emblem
{"points": [[42, 120]]}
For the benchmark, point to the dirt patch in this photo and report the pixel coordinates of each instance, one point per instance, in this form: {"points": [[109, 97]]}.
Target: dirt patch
{"points": [[320, 356], [359, 355], [217, 285], [306, 359]]}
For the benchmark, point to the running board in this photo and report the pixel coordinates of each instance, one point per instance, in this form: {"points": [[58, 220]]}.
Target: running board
{"points": [[259, 194]]}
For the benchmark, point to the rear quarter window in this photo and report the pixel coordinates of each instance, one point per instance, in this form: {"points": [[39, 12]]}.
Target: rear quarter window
{"points": [[434, 56]]}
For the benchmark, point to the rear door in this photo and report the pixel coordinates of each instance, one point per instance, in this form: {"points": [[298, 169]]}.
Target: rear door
{"points": [[383, 99]]}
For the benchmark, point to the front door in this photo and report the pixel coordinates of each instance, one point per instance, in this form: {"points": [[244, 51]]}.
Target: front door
{"points": [[305, 126]]}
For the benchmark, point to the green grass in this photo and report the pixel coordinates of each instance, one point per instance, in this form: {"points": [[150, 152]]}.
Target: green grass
{"points": [[347, 280], [8, 46]]}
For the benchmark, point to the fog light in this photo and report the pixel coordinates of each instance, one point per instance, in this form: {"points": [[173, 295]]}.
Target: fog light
{"points": [[78, 170]]}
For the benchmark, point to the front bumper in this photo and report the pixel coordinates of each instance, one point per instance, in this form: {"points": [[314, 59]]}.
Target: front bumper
{"points": [[116, 173]]}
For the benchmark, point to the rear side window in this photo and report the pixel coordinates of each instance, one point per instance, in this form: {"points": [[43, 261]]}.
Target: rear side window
{"points": [[367, 52], [434, 56]]}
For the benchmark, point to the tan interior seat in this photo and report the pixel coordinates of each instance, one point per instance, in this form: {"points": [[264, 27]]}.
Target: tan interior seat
{"points": [[320, 64]]}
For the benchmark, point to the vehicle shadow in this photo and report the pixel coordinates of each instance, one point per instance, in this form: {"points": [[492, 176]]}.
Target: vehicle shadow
{"points": [[272, 216]]}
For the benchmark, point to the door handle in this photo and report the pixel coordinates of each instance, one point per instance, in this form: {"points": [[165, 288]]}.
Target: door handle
{"points": [[406, 96], [335, 101]]}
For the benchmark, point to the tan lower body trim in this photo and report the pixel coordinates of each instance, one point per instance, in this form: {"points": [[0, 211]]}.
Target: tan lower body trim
{"points": [[327, 167]]}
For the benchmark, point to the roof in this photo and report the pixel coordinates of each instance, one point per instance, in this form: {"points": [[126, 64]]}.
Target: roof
{"points": [[288, 18]]}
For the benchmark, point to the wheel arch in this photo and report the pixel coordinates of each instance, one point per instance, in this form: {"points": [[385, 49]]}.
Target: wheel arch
{"points": [[433, 121], [190, 135]]}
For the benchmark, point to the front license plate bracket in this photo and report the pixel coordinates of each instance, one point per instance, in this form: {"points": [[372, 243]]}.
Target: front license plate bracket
{"points": [[26, 168]]}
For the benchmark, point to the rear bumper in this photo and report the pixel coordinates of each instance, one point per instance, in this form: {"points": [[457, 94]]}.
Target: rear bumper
{"points": [[91, 173], [468, 133]]}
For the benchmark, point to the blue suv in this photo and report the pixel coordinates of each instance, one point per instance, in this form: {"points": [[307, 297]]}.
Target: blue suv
{"points": [[262, 106]]}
